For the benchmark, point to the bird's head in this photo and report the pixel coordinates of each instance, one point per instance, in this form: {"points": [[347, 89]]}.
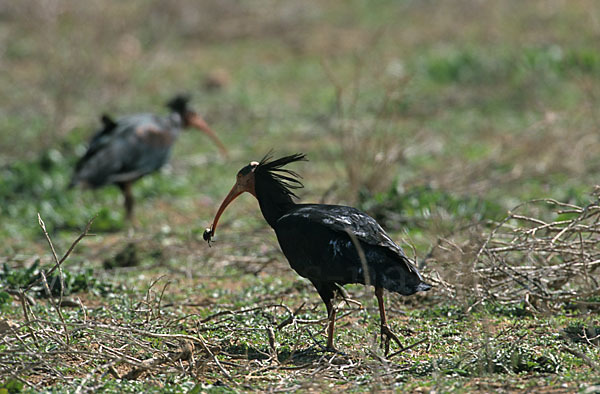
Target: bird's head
{"points": [[258, 176], [189, 117]]}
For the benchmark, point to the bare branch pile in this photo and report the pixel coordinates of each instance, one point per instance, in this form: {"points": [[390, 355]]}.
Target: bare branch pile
{"points": [[40, 348], [543, 263]]}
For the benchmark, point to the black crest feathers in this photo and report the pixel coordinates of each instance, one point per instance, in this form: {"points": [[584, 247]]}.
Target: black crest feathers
{"points": [[285, 180], [179, 103]]}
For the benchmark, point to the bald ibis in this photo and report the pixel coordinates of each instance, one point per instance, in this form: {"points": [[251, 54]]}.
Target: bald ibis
{"points": [[331, 245], [132, 146]]}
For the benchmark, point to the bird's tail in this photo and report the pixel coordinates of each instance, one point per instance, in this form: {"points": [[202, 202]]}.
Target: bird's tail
{"points": [[423, 286], [401, 278]]}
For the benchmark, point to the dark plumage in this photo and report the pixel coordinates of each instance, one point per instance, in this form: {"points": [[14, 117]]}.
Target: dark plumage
{"points": [[320, 241], [128, 148]]}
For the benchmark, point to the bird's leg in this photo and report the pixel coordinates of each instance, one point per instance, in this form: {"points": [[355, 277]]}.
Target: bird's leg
{"points": [[331, 325], [385, 329], [127, 193]]}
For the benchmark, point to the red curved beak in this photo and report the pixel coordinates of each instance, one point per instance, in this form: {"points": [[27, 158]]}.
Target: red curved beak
{"points": [[244, 184], [198, 122]]}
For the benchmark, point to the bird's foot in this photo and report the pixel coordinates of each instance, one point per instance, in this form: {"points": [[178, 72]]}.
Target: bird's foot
{"points": [[386, 336]]}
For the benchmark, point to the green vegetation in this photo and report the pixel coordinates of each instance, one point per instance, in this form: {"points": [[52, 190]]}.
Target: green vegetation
{"points": [[71, 283], [437, 118]]}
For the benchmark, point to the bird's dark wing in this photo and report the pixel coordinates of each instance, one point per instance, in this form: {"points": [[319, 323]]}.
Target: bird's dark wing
{"points": [[125, 150], [99, 139], [317, 241], [343, 219]]}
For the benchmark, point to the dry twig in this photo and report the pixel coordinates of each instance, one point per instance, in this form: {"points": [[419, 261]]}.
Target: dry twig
{"points": [[541, 263]]}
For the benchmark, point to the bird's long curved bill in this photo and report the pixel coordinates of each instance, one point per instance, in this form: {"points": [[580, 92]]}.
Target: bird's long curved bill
{"points": [[201, 124], [236, 190]]}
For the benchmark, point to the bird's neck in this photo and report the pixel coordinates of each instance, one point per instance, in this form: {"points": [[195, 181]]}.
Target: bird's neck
{"points": [[177, 121], [274, 206]]}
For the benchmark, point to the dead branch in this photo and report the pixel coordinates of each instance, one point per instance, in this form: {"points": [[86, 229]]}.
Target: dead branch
{"points": [[527, 259]]}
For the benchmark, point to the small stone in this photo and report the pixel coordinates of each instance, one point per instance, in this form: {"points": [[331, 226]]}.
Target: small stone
{"points": [[216, 79]]}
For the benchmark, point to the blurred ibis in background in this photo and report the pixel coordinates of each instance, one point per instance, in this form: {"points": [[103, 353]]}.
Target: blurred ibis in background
{"points": [[126, 149], [331, 245]]}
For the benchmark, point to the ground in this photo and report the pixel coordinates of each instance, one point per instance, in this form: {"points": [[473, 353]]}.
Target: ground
{"points": [[440, 119]]}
